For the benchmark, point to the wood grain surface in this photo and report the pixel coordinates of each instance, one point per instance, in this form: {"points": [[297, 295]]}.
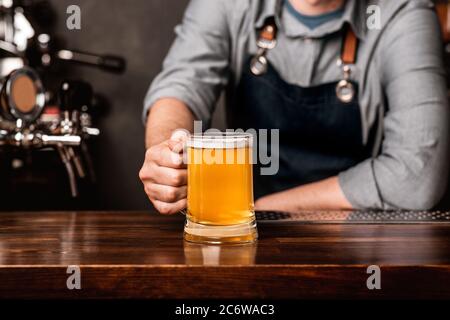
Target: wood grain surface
{"points": [[143, 255]]}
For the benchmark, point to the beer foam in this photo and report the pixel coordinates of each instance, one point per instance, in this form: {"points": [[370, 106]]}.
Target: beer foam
{"points": [[225, 141]]}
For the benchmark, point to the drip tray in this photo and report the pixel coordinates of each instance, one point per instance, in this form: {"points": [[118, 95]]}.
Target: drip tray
{"points": [[355, 216]]}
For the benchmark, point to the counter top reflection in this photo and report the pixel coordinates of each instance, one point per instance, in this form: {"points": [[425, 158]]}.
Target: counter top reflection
{"points": [[303, 255]]}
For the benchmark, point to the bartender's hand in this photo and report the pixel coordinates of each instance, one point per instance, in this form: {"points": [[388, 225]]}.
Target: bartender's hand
{"points": [[164, 174]]}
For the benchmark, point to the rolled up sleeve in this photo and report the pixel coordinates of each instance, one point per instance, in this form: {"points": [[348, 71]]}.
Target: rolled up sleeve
{"points": [[195, 69], [412, 168]]}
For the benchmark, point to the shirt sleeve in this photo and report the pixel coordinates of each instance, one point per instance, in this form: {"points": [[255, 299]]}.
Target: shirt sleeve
{"points": [[412, 168], [196, 68]]}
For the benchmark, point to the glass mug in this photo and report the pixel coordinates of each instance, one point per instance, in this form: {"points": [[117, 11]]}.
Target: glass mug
{"points": [[220, 206]]}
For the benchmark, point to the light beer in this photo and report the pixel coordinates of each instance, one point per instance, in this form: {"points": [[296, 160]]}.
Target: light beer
{"points": [[220, 189]]}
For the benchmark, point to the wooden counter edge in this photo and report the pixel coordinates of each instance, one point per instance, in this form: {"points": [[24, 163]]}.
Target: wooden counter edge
{"points": [[224, 282]]}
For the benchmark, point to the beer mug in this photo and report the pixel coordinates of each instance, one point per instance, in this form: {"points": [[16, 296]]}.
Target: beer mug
{"points": [[220, 207]]}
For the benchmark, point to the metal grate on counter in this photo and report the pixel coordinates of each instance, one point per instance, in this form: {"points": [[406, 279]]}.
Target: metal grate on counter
{"points": [[355, 216]]}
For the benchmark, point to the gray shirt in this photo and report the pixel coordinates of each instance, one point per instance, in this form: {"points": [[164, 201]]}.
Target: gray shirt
{"points": [[402, 91]]}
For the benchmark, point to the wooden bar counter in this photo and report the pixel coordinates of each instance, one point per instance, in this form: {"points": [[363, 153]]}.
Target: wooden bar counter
{"points": [[310, 255]]}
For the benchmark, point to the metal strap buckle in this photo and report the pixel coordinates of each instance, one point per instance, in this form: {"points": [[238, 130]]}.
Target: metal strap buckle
{"points": [[266, 41], [345, 91], [259, 63], [266, 44]]}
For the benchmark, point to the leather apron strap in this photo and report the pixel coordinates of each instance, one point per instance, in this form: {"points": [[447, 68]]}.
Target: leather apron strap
{"points": [[443, 12], [349, 46]]}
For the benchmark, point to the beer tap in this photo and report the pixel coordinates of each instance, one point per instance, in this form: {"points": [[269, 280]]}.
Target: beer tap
{"points": [[74, 96], [32, 117], [21, 128]]}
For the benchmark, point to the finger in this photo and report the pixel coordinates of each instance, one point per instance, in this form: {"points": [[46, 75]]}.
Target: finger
{"points": [[178, 140], [169, 208], [163, 175], [176, 146], [180, 135], [164, 157], [165, 193]]}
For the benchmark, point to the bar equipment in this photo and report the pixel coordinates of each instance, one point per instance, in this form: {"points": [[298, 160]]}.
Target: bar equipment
{"points": [[33, 118]]}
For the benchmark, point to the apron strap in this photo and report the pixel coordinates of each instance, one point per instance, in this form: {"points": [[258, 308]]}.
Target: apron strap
{"points": [[443, 12], [268, 34], [267, 40], [345, 91], [349, 46]]}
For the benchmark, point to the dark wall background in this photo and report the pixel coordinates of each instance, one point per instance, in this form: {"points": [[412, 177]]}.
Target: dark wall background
{"points": [[142, 32]]}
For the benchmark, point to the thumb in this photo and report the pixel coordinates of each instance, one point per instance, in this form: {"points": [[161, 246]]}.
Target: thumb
{"points": [[178, 140]]}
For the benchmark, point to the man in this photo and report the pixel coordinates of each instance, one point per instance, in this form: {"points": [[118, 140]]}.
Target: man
{"points": [[371, 132]]}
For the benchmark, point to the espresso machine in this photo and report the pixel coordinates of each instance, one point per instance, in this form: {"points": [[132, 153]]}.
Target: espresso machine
{"points": [[34, 118]]}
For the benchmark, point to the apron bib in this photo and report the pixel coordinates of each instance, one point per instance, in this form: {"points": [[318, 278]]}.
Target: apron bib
{"points": [[320, 135]]}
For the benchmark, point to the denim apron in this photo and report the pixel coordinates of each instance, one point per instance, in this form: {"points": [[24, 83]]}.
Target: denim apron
{"points": [[320, 135]]}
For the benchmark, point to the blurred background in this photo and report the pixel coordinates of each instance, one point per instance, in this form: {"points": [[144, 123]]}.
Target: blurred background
{"points": [[141, 32]]}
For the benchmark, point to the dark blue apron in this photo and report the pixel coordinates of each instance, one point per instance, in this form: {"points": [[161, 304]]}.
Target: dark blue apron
{"points": [[320, 136]]}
